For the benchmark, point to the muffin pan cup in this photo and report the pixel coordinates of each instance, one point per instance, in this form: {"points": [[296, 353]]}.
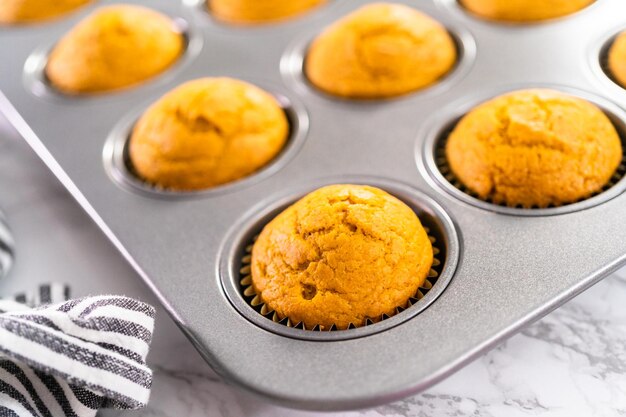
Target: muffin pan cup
{"points": [[510, 269], [119, 166], [236, 257], [432, 150], [599, 58], [37, 82]]}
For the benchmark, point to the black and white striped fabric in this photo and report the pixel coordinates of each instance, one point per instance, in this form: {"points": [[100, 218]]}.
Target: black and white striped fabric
{"points": [[6, 247], [46, 294], [73, 358]]}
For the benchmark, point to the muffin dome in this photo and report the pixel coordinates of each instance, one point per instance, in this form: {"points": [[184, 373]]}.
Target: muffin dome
{"points": [[380, 50], [617, 59], [207, 132], [26, 11], [524, 10], [115, 47], [534, 148], [259, 11], [340, 255]]}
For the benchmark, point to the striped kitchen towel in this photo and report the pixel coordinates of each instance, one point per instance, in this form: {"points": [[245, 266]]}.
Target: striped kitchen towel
{"points": [[73, 358], [6, 247]]}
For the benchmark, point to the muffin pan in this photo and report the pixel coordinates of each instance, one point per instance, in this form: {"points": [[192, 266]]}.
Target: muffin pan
{"points": [[503, 268]]}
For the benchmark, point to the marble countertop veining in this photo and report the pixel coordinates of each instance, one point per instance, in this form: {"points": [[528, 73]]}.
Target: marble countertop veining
{"points": [[571, 363]]}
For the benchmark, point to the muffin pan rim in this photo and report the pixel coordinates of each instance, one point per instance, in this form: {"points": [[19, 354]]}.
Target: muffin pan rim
{"points": [[294, 56], [430, 136], [598, 51], [229, 252], [36, 82], [114, 152]]}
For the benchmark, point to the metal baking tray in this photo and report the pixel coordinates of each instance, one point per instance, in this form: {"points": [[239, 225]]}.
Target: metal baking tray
{"points": [[502, 269]]}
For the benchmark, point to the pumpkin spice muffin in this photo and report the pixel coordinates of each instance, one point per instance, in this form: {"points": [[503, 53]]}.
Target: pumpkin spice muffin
{"points": [[207, 132], [28, 11], [259, 11], [115, 47], [534, 148], [617, 59], [341, 255], [380, 50], [524, 10]]}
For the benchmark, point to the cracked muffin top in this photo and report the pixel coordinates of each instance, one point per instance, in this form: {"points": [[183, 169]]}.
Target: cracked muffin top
{"points": [[340, 255], [380, 50], [27, 11], [524, 10], [534, 148], [617, 59], [114, 47], [259, 11], [207, 132]]}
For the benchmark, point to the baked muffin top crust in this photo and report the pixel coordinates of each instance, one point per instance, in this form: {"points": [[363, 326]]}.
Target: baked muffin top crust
{"points": [[30, 11], [340, 255], [534, 148], [380, 50], [115, 47], [524, 10], [259, 11], [617, 59], [207, 132]]}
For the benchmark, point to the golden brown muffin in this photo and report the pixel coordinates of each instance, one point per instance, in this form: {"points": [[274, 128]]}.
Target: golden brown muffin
{"points": [[207, 132], [380, 50], [534, 148], [524, 10], [340, 255], [115, 47], [27, 11], [617, 59], [259, 11]]}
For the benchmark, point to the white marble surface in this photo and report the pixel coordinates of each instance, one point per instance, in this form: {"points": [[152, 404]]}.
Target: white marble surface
{"points": [[572, 363]]}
